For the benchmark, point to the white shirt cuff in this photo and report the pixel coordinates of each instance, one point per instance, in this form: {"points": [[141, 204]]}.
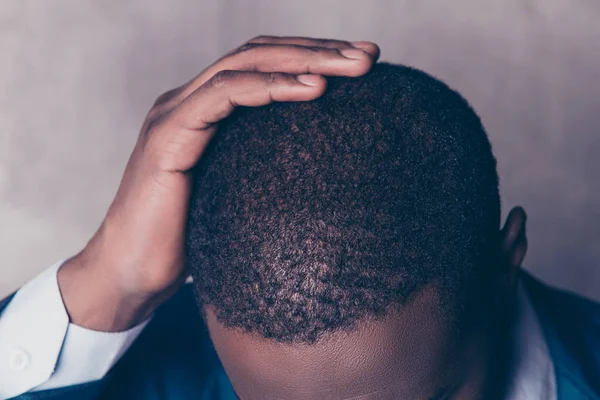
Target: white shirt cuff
{"points": [[88, 355], [40, 349]]}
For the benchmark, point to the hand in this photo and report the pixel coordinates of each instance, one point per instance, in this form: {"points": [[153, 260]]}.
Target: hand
{"points": [[135, 260]]}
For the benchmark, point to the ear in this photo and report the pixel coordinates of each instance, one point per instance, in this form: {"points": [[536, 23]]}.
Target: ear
{"points": [[513, 246]]}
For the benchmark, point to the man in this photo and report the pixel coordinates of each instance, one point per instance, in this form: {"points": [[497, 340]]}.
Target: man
{"points": [[343, 245]]}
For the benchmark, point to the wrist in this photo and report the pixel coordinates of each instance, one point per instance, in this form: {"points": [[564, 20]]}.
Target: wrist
{"points": [[94, 300]]}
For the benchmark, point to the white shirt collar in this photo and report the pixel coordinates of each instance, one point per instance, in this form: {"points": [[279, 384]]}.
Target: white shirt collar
{"points": [[532, 376]]}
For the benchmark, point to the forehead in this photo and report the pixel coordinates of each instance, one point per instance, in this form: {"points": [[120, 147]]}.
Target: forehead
{"points": [[403, 353]]}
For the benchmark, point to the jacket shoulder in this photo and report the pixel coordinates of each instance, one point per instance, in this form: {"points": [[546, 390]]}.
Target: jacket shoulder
{"points": [[4, 302], [571, 325], [174, 354]]}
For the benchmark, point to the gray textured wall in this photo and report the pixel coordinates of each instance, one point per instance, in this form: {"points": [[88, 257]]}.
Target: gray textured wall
{"points": [[77, 76]]}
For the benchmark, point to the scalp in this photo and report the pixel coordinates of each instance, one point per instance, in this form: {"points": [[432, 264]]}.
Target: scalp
{"points": [[307, 217]]}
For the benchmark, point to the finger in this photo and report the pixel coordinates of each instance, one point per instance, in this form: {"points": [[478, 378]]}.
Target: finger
{"points": [[215, 100], [291, 59], [295, 59], [369, 47]]}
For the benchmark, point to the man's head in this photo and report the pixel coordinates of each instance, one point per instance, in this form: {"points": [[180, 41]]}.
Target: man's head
{"points": [[350, 246]]}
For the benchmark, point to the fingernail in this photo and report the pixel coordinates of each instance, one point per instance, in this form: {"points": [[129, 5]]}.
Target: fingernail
{"points": [[362, 45], [308, 79], [355, 54]]}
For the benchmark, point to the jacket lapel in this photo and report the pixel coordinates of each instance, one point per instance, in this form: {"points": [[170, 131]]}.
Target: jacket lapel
{"points": [[572, 336], [4, 302]]}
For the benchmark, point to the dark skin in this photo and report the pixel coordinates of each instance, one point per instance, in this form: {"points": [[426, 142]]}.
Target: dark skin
{"points": [[411, 354], [135, 261]]}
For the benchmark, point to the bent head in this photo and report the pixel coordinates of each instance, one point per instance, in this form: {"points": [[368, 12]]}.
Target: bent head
{"points": [[350, 247]]}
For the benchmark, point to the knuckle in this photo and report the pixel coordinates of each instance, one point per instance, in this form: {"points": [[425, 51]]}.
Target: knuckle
{"points": [[316, 49], [166, 96], [271, 77], [247, 47], [332, 43], [157, 123], [156, 117], [222, 79], [154, 113], [344, 43]]}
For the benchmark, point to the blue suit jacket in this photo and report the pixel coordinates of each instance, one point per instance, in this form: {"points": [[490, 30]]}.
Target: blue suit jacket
{"points": [[174, 358]]}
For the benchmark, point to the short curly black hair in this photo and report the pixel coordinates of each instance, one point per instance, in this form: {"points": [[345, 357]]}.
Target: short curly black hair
{"points": [[307, 217]]}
